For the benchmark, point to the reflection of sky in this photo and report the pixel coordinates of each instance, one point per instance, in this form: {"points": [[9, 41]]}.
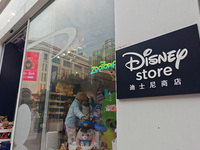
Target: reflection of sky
{"points": [[93, 20]]}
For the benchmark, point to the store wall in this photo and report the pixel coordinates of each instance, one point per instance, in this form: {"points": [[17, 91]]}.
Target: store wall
{"points": [[156, 123]]}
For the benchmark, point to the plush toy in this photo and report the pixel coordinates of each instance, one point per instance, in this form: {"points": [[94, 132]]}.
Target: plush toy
{"points": [[97, 111], [5, 135], [86, 124], [85, 135], [104, 146], [79, 147], [94, 148], [64, 146], [5, 123]]}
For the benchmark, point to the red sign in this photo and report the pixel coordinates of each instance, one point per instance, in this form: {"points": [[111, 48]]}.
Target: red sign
{"points": [[30, 66]]}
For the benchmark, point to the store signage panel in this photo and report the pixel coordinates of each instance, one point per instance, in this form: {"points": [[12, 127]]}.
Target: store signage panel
{"points": [[166, 65], [31, 66]]}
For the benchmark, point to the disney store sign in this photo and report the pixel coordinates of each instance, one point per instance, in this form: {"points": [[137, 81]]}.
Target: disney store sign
{"points": [[165, 65], [155, 59]]}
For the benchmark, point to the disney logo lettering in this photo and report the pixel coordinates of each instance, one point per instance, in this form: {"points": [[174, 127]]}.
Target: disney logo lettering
{"points": [[147, 60]]}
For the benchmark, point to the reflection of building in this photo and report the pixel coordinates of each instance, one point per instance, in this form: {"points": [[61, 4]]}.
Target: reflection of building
{"points": [[61, 67], [106, 53]]}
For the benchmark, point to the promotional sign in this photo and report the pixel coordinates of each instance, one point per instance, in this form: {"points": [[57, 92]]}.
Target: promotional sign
{"points": [[103, 66], [30, 66], [166, 65]]}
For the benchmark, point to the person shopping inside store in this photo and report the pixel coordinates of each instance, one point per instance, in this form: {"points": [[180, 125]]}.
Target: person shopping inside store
{"points": [[74, 114]]}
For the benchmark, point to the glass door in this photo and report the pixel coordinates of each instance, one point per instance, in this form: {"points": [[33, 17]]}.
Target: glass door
{"points": [[70, 54]]}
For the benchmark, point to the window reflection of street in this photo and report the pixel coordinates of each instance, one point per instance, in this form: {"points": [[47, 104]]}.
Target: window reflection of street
{"points": [[68, 49]]}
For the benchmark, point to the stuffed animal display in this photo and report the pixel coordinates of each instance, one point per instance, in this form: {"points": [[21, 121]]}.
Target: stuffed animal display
{"points": [[5, 124], [85, 137]]}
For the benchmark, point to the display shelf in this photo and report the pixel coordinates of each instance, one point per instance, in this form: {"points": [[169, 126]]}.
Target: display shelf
{"points": [[58, 113], [61, 94], [5, 130], [63, 137], [4, 140], [56, 110], [54, 93], [55, 106], [54, 120], [56, 101]]}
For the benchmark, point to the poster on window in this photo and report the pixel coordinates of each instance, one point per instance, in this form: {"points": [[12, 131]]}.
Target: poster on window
{"points": [[30, 66], [166, 65]]}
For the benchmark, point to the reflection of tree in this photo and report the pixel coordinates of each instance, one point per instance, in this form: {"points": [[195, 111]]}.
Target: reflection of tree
{"points": [[72, 79], [26, 97], [106, 53], [41, 101], [28, 102], [86, 85], [89, 85]]}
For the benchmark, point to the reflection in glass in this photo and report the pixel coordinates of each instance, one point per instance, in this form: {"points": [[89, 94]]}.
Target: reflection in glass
{"points": [[76, 47]]}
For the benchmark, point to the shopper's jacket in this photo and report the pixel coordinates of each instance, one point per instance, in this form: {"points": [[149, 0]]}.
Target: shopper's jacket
{"points": [[73, 114]]}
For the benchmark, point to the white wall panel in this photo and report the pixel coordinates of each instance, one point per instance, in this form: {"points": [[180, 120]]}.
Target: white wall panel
{"points": [[137, 21], [156, 123]]}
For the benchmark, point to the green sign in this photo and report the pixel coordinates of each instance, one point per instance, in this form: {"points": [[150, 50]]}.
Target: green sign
{"points": [[102, 66]]}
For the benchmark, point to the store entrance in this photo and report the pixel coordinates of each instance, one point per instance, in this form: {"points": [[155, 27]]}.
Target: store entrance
{"points": [[10, 75]]}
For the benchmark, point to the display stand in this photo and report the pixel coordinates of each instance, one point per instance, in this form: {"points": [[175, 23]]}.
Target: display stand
{"points": [[56, 111]]}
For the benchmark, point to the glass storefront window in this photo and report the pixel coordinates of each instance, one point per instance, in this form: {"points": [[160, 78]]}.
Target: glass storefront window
{"points": [[75, 42]]}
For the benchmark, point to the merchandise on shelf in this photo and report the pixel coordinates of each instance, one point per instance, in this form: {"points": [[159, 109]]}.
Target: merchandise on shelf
{"points": [[5, 129], [59, 104]]}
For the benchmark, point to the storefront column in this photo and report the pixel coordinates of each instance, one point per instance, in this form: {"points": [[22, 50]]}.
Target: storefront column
{"points": [[156, 123]]}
